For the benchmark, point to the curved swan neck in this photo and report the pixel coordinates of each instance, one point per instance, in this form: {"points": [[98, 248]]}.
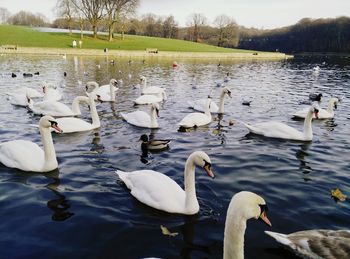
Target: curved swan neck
{"points": [[235, 227], [330, 107], [112, 91], [222, 103], [154, 123], [76, 105], [49, 150], [191, 202], [307, 126], [94, 115]]}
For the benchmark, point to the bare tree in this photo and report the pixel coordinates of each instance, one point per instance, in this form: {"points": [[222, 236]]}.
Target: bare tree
{"points": [[116, 10], [196, 21], [169, 27], [228, 35], [28, 18], [66, 9], [4, 15]]}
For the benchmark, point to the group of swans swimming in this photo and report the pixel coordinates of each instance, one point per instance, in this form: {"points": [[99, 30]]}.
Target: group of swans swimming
{"points": [[159, 191]]}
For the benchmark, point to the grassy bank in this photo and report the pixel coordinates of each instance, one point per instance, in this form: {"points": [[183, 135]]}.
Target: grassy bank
{"points": [[27, 37]]}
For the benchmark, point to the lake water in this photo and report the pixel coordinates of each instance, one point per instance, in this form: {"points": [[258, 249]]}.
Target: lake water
{"points": [[82, 210]]}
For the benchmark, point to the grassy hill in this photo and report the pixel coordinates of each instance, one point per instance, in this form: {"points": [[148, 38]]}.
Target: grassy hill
{"points": [[27, 37]]}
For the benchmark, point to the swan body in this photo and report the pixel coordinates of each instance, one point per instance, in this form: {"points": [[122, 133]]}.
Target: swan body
{"points": [[152, 90], [56, 109], [71, 124], [142, 119], [161, 192], [197, 119], [26, 91], [320, 243], [18, 99], [322, 113], [51, 94], [243, 206], [199, 105], [280, 130], [106, 93], [148, 99], [28, 156]]}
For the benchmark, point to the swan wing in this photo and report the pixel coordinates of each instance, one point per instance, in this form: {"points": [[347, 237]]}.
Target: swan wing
{"points": [[137, 118], [199, 105], [22, 154], [153, 90], [148, 99], [70, 124], [195, 119], [52, 108], [32, 93], [18, 99], [155, 189], [316, 243]]}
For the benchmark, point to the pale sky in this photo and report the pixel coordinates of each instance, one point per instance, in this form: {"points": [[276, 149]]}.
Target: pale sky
{"points": [[265, 14]]}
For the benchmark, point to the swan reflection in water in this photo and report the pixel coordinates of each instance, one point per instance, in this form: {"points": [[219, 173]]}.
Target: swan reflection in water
{"points": [[219, 129], [301, 155]]}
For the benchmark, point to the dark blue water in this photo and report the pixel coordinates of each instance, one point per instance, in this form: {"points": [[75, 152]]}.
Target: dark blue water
{"points": [[82, 210]]}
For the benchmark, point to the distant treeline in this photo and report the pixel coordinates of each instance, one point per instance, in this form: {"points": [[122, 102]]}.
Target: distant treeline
{"points": [[308, 35]]}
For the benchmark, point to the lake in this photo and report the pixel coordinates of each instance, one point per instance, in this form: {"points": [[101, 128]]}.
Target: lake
{"points": [[82, 210]]}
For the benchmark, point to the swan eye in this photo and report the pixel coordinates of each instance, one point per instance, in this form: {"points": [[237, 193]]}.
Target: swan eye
{"points": [[53, 123], [316, 110], [263, 208], [207, 164]]}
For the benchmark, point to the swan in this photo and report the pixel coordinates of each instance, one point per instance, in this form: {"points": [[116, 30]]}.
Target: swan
{"points": [[322, 113], [71, 124], [161, 192], [51, 93], [106, 93], [18, 99], [317, 243], [142, 119], [54, 108], [153, 90], [199, 105], [28, 156], [197, 119], [243, 206], [26, 91], [149, 99], [153, 145], [273, 129]]}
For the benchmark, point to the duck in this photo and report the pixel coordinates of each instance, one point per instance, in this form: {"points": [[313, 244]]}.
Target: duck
{"points": [[28, 156], [26, 91], [152, 90], [51, 93], [153, 145], [273, 129], [322, 113], [199, 105], [142, 119], [106, 93], [227, 77], [243, 206], [72, 124], [316, 243], [315, 97], [54, 108], [159, 191], [197, 119]]}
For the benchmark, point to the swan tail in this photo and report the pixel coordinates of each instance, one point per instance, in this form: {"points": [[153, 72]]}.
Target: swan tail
{"points": [[248, 126], [121, 174], [280, 238]]}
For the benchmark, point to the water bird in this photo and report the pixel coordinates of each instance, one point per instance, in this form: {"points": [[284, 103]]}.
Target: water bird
{"points": [[197, 119], [243, 206], [153, 90], [28, 156], [13, 75], [322, 113], [64, 73], [19, 99], [153, 145], [106, 93], [27, 74], [159, 191], [174, 65], [51, 93], [148, 99], [142, 119], [316, 69], [36, 73], [273, 129], [227, 77], [315, 97], [26, 91], [246, 102], [316, 243]]}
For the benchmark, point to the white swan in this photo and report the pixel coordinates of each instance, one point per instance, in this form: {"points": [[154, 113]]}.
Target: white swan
{"points": [[243, 206], [318, 243], [51, 93], [275, 129], [152, 90], [56, 109], [71, 124], [149, 99], [142, 119], [197, 119], [199, 105], [106, 93], [161, 192], [18, 99], [26, 91], [322, 113], [28, 156]]}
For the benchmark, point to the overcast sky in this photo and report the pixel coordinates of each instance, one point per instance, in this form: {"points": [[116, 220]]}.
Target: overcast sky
{"points": [[250, 13]]}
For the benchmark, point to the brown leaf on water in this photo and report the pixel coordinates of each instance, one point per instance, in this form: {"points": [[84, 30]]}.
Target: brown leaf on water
{"points": [[166, 232], [338, 195]]}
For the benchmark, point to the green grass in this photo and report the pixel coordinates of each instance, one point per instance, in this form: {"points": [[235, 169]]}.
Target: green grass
{"points": [[27, 37]]}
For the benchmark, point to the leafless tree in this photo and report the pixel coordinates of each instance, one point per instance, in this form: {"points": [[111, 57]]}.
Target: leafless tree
{"points": [[4, 15], [228, 34], [169, 27], [66, 9], [196, 21], [28, 18]]}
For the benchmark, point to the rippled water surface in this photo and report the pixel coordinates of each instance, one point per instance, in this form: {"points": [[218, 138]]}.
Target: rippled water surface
{"points": [[82, 210]]}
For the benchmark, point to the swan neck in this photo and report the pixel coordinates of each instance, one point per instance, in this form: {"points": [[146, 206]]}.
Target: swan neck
{"points": [[191, 202], [330, 107], [154, 123], [49, 150], [307, 126], [221, 104], [94, 115], [235, 227], [112, 91], [76, 105], [207, 108]]}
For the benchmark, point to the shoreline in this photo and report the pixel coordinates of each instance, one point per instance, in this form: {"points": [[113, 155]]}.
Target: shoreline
{"points": [[144, 54]]}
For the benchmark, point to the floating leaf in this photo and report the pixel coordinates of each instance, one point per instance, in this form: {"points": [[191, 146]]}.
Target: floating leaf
{"points": [[216, 131], [166, 231], [338, 195]]}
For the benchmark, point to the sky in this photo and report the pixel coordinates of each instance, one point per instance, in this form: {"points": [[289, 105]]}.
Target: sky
{"points": [[262, 14]]}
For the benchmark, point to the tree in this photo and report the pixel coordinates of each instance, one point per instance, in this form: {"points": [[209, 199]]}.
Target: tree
{"points": [[196, 21], [228, 35], [169, 27], [4, 15], [66, 9], [28, 18], [117, 10]]}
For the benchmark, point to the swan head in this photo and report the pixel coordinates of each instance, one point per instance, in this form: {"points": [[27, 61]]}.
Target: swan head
{"points": [[314, 110], [200, 158], [49, 122], [335, 102], [250, 205], [91, 84], [155, 106], [142, 79], [227, 91], [113, 82]]}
